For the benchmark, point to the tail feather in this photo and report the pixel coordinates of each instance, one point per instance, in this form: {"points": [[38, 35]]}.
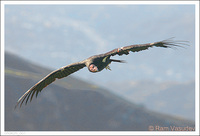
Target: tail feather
{"points": [[121, 61]]}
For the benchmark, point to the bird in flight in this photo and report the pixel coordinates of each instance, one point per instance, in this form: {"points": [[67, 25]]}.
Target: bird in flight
{"points": [[94, 64]]}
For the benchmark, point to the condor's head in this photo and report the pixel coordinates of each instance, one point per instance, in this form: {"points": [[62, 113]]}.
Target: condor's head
{"points": [[93, 68]]}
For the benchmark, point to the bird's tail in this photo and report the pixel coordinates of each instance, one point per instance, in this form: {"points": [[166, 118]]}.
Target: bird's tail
{"points": [[121, 61]]}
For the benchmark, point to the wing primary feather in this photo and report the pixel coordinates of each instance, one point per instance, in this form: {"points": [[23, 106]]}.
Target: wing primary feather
{"points": [[32, 95], [36, 93], [174, 44], [168, 43], [25, 97], [28, 96], [21, 99], [60, 73], [37, 90]]}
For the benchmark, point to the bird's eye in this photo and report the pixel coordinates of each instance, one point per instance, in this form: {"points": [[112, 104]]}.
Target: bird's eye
{"points": [[91, 66]]}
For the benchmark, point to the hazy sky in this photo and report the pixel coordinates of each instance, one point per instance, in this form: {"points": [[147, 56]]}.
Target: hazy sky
{"points": [[57, 35]]}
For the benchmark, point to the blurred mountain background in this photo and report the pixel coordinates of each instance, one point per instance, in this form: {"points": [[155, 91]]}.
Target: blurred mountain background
{"points": [[72, 104], [52, 36]]}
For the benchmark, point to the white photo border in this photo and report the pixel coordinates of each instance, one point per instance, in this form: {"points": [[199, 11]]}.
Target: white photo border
{"points": [[196, 132]]}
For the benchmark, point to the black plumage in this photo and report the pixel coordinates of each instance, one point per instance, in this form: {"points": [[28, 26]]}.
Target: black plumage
{"points": [[94, 64]]}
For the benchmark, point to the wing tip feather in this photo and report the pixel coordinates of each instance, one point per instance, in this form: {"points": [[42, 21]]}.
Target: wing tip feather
{"points": [[170, 43]]}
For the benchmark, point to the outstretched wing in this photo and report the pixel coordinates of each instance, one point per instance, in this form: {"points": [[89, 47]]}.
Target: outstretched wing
{"points": [[59, 73], [169, 43]]}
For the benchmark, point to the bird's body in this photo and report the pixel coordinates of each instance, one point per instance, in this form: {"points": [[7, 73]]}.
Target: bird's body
{"points": [[97, 61], [100, 61], [94, 64]]}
